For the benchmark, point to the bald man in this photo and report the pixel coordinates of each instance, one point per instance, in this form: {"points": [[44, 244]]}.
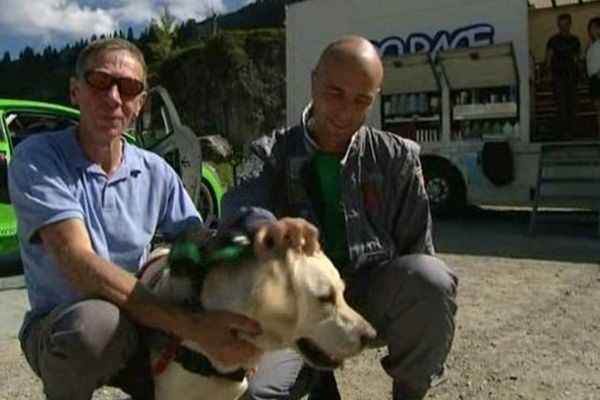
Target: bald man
{"points": [[364, 189]]}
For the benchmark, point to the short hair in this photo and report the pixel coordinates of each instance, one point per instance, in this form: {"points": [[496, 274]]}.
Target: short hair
{"points": [[592, 22], [109, 44], [564, 16]]}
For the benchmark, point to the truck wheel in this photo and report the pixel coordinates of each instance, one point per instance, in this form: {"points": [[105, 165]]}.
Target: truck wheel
{"points": [[207, 204], [445, 187]]}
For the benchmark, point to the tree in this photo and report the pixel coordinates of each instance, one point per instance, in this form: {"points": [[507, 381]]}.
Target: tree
{"points": [[27, 56], [162, 35], [6, 59], [186, 34], [130, 36]]}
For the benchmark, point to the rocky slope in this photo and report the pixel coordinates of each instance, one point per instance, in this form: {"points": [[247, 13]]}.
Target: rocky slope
{"points": [[233, 85]]}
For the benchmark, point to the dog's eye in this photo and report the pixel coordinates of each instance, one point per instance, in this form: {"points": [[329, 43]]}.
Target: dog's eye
{"points": [[329, 298]]}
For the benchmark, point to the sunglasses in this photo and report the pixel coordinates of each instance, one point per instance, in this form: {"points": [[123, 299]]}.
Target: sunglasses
{"points": [[99, 80]]}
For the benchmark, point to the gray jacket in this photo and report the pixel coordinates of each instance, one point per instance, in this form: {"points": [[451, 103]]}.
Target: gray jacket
{"points": [[382, 193]]}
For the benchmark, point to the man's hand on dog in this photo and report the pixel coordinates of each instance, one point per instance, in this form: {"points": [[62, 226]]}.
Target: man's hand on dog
{"points": [[294, 233], [222, 342]]}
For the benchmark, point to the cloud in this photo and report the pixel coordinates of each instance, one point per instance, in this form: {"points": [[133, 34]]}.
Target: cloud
{"points": [[46, 18], [49, 19], [142, 11]]}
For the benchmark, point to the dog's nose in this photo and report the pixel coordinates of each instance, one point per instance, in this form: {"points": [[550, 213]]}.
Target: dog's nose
{"points": [[368, 336], [365, 340]]}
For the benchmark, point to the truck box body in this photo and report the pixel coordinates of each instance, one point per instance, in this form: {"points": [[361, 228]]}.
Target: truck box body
{"points": [[447, 30]]}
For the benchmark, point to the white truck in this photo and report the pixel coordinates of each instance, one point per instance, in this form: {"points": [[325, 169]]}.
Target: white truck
{"points": [[460, 79]]}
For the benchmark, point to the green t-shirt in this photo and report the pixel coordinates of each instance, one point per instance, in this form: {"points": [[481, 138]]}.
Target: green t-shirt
{"points": [[331, 215]]}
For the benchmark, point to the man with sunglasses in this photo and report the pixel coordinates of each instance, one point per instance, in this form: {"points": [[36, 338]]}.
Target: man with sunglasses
{"points": [[88, 205]]}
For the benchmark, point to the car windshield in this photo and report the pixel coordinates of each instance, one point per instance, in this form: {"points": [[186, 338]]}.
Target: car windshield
{"points": [[21, 125]]}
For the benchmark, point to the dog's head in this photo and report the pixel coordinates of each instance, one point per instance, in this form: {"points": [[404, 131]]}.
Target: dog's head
{"points": [[298, 300], [328, 330]]}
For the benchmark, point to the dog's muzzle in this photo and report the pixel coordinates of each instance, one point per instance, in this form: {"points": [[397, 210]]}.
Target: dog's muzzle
{"points": [[316, 357]]}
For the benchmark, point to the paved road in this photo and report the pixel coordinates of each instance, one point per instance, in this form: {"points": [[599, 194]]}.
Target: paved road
{"points": [[13, 305], [511, 283]]}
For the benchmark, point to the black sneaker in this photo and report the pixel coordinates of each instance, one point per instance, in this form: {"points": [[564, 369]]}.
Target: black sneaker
{"points": [[404, 393], [439, 377]]}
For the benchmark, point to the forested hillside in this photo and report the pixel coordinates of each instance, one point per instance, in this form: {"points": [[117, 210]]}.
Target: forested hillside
{"points": [[226, 74]]}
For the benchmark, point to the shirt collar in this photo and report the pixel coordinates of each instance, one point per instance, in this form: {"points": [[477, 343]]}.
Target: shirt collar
{"points": [[74, 151], [130, 164], [310, 142]]}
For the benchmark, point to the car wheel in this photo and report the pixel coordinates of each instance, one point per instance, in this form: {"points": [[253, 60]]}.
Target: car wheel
{"points": [[207, 203], [445, 187]]}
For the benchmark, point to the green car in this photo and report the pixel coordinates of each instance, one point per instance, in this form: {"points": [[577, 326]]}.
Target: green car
{"points": [[158, 129]]}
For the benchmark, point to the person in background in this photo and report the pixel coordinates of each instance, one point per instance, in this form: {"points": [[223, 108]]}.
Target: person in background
{"points": [[88, 205], [592, 59], [364, 189], [562, 62]]}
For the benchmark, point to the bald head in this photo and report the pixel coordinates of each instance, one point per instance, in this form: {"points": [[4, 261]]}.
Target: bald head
{"points": [[352, 51], [345, 83]]}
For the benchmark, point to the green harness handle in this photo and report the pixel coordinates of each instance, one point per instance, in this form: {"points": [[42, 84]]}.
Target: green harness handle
{"points": [[204, 255]]}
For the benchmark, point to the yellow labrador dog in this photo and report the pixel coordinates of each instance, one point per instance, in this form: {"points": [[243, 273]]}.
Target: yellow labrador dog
{"points": [[297, 299]]}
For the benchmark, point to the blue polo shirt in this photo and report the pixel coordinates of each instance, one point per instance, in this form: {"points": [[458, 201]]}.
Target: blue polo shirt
{"points": [[50, 179]]}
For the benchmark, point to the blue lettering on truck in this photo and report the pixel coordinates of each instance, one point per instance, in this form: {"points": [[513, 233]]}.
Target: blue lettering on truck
{"points": [[468, 36]]}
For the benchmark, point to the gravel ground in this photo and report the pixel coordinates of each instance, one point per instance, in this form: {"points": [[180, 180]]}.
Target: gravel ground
{"points": [[528, 322]]}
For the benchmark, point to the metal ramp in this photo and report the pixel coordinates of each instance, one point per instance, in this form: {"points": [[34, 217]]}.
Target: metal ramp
{"points": [[568, 176]]}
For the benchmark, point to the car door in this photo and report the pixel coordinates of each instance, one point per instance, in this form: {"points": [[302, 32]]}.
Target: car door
{"points": [[18, 122], [159, 129]]}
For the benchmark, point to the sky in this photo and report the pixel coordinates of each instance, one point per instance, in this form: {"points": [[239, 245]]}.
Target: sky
{"points": [[38, 23]]}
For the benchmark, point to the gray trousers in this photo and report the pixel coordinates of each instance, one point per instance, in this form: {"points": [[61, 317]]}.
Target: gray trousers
{"points": [[78, 348], [411, 303]]}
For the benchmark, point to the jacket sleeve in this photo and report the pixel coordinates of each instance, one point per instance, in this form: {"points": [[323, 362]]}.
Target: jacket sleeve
{"points": [[412, 221], [250, 199]]}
